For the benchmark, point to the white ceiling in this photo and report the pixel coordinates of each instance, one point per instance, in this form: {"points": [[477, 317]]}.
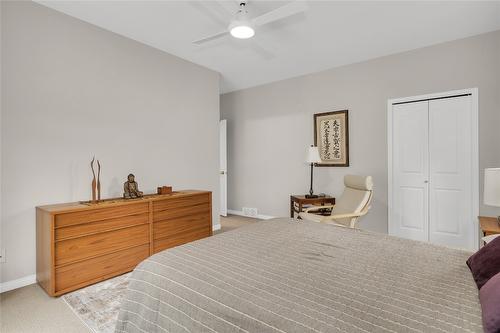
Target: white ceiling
{"points": [[329, 34]]}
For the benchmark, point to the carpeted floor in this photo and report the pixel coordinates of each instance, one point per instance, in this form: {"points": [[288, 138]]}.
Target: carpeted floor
{"points": [[232, 222], [94, 308], [30, 309]]}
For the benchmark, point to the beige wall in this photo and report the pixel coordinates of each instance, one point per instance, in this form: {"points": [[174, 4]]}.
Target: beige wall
{"points": [[270, 126], [71, 90]]}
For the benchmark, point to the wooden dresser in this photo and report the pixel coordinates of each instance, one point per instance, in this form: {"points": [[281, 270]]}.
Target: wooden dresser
{"points": [[79, 244]]}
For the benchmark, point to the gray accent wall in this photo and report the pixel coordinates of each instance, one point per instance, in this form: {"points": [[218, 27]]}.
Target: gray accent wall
{"points": [[71, 90], [270, 126]]}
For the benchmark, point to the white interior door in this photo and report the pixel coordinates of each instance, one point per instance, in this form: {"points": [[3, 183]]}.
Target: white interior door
{"points": [[410, 171], [450, 142], [223, 166]]}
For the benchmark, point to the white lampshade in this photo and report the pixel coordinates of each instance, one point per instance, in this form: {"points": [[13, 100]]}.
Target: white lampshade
{"points": [[492, 187], [313, 155]]}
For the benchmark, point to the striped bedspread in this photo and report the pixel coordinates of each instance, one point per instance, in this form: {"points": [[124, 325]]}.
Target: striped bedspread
{"points": [[282, 275]]}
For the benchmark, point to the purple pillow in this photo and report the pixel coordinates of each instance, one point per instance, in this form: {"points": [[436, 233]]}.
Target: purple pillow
{"points": [[489, 295], [485, 263]]}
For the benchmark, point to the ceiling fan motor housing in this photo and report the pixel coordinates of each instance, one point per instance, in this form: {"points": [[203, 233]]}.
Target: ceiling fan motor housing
{"points": [[241, 26]]}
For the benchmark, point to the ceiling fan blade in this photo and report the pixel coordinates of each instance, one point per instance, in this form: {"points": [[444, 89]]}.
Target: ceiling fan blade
{"points": [[211, 38], [282, 12]]}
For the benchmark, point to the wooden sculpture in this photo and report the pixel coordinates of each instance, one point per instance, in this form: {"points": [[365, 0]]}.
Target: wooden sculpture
{"points": [[98, 181], [93, 181]]}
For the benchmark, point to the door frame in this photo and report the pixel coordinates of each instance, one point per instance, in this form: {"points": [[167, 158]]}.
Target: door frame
{"points": [[473, 92], [223, 170]]}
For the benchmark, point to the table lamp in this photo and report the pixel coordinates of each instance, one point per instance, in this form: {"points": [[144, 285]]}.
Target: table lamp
{"points": [[491, 195], [312, 157]]}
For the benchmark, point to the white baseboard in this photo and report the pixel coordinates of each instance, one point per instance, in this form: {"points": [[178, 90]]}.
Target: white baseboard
{"points": [[216, 227], [18, 283], [240, 213]]}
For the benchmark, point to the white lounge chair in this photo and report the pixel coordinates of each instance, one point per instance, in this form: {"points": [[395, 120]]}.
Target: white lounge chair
{"points": [[352, 204]]}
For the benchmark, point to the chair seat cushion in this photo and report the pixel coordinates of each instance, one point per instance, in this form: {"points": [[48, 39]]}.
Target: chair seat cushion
{"points": [[351, 201]]}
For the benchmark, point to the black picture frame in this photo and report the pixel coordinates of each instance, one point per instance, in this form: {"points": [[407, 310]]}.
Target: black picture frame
{"points": [[343, 145]]}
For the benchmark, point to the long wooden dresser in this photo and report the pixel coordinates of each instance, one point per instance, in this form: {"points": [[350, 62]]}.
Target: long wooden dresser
{"points": [[80, 244]]}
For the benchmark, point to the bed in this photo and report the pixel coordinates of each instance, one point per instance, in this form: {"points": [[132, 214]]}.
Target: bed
{"points": [[282, 275]]}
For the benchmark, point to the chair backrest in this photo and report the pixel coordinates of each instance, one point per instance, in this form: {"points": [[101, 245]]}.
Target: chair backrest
{"points": [[356, 198]]}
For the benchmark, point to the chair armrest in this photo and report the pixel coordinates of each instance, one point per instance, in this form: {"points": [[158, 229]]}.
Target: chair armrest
{"points": [[313, 208], [343, 216]]}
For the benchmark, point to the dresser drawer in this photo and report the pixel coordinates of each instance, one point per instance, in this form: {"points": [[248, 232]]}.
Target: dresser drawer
{"points": [[90, 246], [181, 212], [100, 226], [187, 201], [168, 228], [96, 269], [93, 215], [186, 237]]}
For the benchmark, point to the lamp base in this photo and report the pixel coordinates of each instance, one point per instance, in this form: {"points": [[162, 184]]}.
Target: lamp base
{"points": [[311, 196]]}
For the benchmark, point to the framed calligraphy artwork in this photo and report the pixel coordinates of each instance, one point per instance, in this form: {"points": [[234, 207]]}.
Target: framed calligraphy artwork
{"points": [[331, 136]]}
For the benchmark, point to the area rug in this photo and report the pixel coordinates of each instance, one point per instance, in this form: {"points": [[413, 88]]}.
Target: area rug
{"points": [[98, 305]]}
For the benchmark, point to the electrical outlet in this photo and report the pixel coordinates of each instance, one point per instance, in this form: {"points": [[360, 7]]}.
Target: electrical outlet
{"points": [[2, 256], [252, 212]]}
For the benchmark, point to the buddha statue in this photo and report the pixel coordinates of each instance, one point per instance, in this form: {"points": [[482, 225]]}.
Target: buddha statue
{"points": [[131, 188]]}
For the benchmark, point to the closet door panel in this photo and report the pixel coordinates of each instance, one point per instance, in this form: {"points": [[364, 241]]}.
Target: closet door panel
{"points": [[450, 142], [410, 216]]}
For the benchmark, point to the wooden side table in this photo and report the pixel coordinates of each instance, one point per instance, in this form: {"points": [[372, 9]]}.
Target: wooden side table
{"points": [[301, 200], [489, 225]]}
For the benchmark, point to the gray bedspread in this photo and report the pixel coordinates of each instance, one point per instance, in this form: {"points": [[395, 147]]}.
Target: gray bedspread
{"points": [[282, 275]]}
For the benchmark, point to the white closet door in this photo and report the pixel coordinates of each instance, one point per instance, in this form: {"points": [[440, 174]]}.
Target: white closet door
{"points": [[410, 168], [450, 142]]}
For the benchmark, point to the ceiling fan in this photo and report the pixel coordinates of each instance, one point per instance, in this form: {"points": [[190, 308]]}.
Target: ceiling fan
{"points": [[243, 27]]}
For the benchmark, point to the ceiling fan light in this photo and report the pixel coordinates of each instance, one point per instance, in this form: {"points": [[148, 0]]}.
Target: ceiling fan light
{"points": [[242, 31]]}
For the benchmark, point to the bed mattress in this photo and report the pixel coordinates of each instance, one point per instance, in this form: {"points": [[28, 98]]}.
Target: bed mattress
{"points": [[285, 275]]}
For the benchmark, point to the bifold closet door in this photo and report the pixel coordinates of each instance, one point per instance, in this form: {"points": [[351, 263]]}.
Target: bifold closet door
{"points": [[450, 146], [410, 171]]}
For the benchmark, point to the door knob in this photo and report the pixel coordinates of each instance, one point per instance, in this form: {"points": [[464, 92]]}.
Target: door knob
{"points": [[426, 181], [222, 172]]}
